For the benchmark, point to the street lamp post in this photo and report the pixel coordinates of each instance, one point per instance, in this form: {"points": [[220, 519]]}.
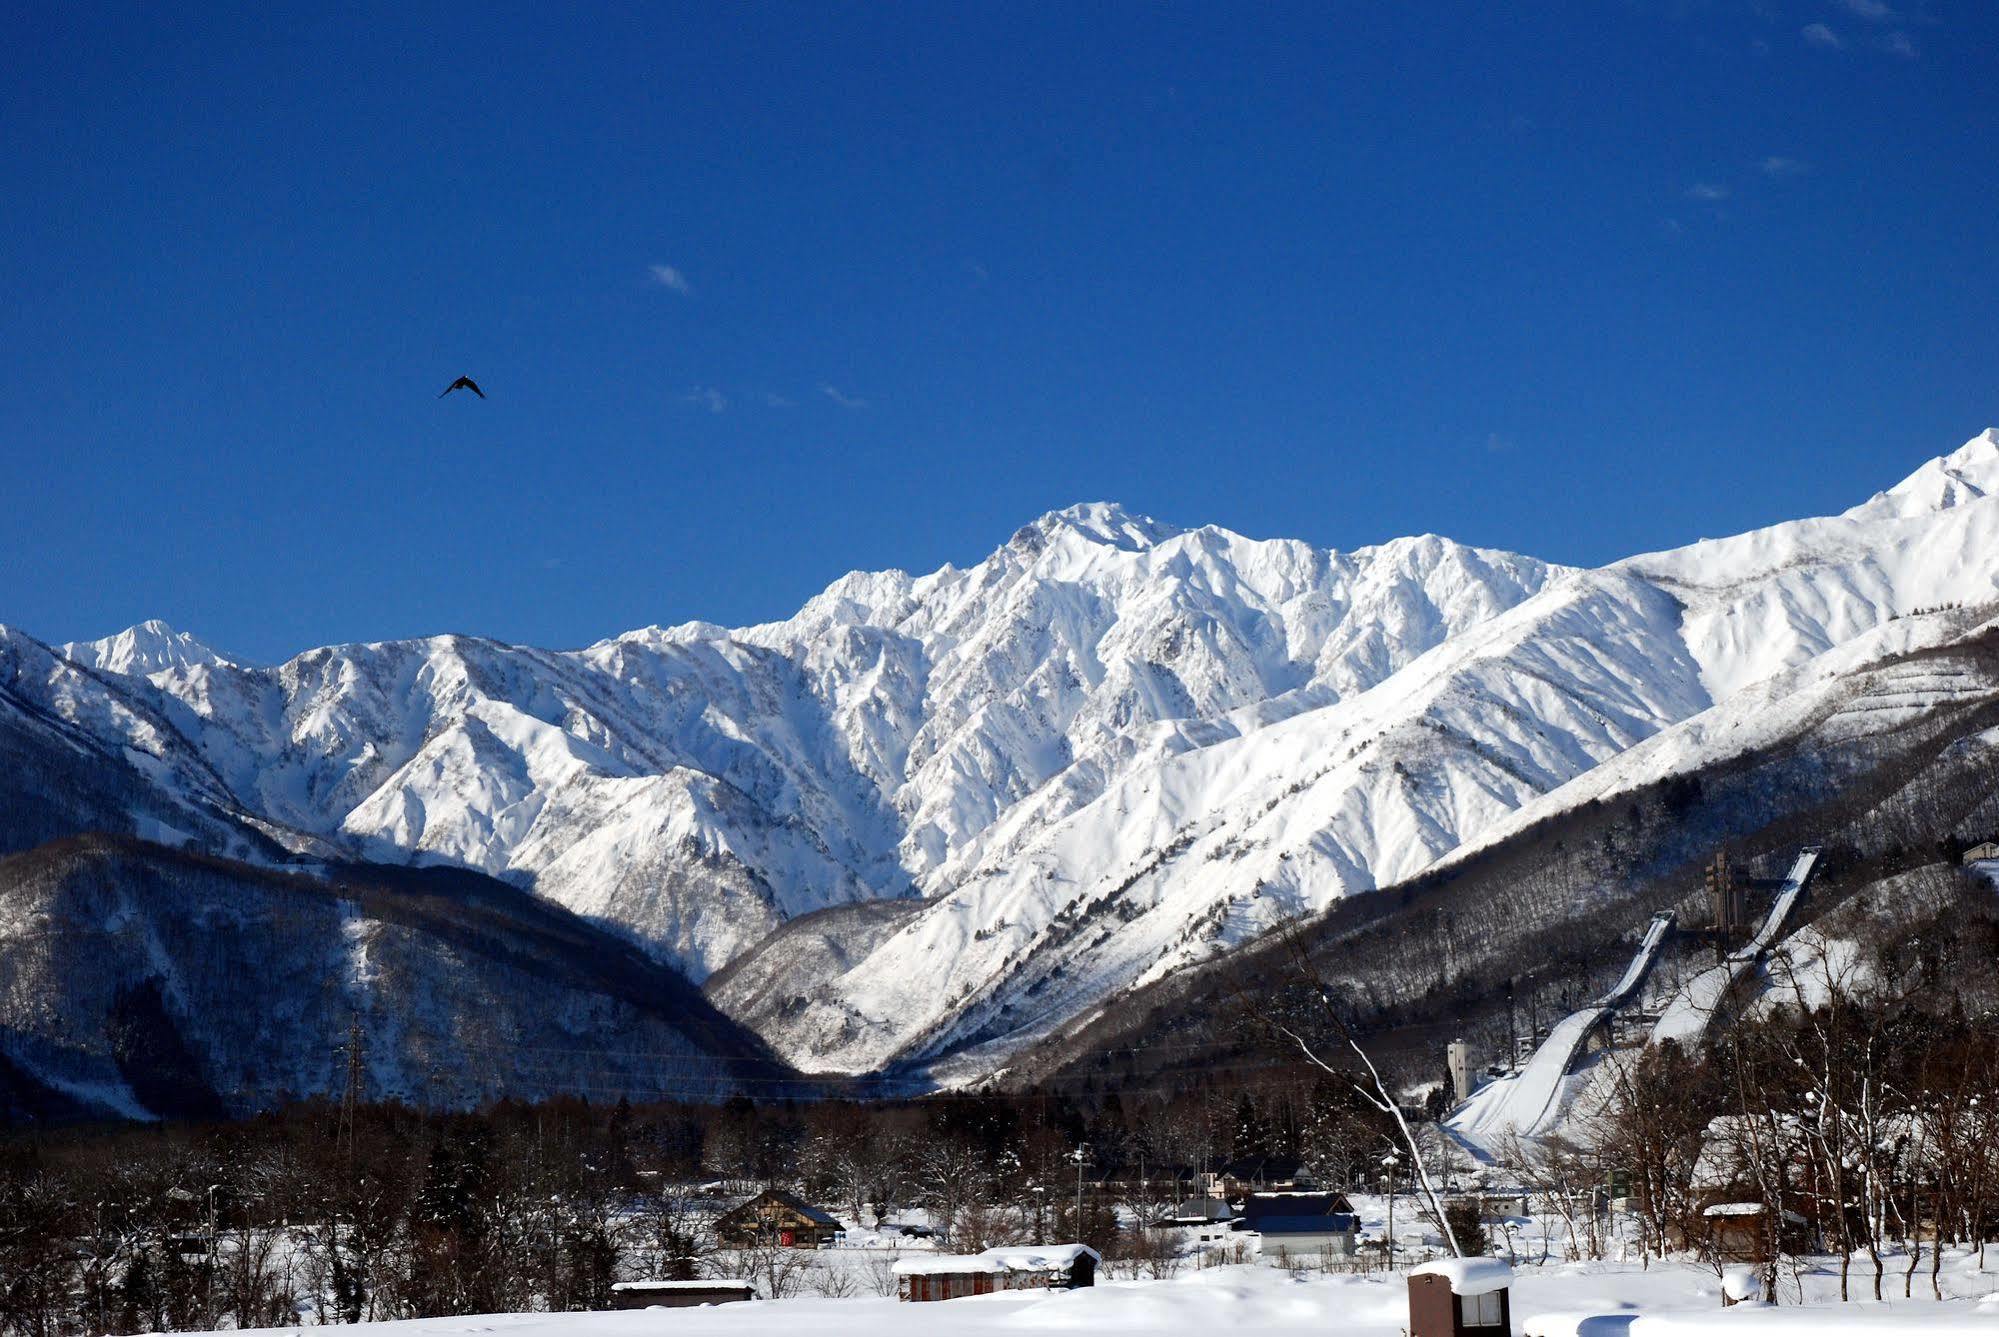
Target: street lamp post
{"points": [[1388, 1164]]}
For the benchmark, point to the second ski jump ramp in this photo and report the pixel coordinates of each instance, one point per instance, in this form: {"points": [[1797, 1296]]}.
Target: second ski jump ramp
{"points": [[1692, 1010], [1530, 1101]]}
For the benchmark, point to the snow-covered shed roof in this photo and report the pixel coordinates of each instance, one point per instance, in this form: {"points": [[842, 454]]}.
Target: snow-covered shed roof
{"points": [[1022, 1258], [944, 1264], [1040, 1257], [1468, 1276], [681, 1286]]}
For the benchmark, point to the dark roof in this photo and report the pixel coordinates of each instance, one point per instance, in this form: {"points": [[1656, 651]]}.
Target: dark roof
{"points": [[1263, 1167], [1332, 1224], [797, 1204], [784, 1199], [1259, 1205]]}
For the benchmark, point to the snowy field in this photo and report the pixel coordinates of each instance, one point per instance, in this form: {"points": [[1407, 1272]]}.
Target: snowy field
{"points": [[1585, 1299]]}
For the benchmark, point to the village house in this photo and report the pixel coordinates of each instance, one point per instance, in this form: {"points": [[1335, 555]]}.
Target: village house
{"points": [[1981, 853], [1197, 1212], [776, 1217], [1256, 1174], [1300, 1225], [1328, 1235], [1025, 1267]]}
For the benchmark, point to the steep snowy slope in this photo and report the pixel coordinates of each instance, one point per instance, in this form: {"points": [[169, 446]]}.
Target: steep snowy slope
{"points": [[1197, 852], [697, 788]]}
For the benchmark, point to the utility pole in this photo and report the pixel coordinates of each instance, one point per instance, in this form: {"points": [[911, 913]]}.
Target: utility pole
{"points": [[1082, 1154]]}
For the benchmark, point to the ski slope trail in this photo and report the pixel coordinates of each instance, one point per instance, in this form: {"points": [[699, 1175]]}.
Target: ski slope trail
{"points": [[1688, 1017], [1528, 1103]]}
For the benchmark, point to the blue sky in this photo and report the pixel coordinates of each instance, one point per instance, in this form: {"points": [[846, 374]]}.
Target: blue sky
{"points": [[763, 293]]}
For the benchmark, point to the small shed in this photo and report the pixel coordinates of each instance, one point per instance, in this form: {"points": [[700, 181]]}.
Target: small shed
{"points": [[1981, 852], [945, 1277], [1739, 1232], [679, 1294], [1057, 1267], [1029, 1267], [1460, 1297]]}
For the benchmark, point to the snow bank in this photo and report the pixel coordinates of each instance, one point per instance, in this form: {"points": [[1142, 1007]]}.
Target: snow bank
{"points": [[1570, 1300]]}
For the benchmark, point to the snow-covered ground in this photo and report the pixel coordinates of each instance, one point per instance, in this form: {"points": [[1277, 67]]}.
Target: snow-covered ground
{"points": [[1671, 1298]]}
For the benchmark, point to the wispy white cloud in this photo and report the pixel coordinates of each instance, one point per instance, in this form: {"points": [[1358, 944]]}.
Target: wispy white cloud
{"points": [[1777, 167], [1899, 43], [1817, 34], [1874, 11], [666, 276], [841, 397], [1707, 190], [776, 401], [707, 397]]}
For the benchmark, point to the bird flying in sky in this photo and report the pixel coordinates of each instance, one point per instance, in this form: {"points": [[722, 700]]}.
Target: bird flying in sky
{"points": [[464, 383]]}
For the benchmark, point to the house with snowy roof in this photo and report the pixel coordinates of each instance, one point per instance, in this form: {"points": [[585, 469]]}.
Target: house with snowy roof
{"points": [[776, 1217], [1200, 1211]]}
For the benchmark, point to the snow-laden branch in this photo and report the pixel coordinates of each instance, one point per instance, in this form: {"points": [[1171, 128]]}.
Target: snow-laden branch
{"points": [[1384, 1101]]}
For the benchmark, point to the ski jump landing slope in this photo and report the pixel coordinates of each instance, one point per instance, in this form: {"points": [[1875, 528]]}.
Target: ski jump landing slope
{"points": [[1692, 1010], [1530, 1102]]}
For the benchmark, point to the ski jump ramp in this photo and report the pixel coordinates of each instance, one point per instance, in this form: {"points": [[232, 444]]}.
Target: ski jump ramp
{"points": [[1691, 1013], [1530, 1102]]}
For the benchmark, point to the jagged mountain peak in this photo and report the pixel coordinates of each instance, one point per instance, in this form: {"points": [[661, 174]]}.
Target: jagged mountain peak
{"points": [[145, 649], [1100, 522], [1965, 475]]}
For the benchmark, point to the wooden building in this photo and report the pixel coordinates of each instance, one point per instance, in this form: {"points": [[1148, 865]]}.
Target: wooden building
{"points": [[1739, 1232], [1029, 1267], [776, 1217], [679, 1294]]}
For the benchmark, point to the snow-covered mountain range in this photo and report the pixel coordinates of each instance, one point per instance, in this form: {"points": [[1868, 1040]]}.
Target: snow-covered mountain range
{"points": [[1110, 749]]}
